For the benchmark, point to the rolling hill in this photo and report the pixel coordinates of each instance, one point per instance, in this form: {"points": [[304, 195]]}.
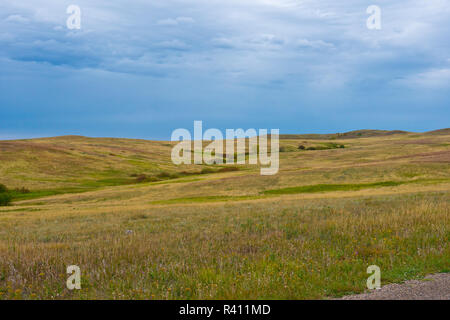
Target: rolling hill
{"points": [[140, 227]]}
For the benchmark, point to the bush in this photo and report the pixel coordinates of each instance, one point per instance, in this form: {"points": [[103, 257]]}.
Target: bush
{"points": [[22, 190], [3, 188], [141, 178], [301, 147], [282, 149], [144, 178], [207, 170], [5, 199], [167, 175], [228, 169], [164, 175], [187, 173]]}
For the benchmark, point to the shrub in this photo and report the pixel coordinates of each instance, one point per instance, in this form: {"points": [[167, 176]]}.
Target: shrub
{"points": [[174, 176], [282, 149], [167, 175], [228, 169], [301, 147], [141, 178], [5, 199], [144, 178], [22, 190], [187, 173], [3, 188], [330, 145], [164, 175], [342, 146], [207, 170]]}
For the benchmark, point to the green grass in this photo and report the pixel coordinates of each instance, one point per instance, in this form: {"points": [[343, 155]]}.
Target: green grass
{"points": [[162, 177], [5, 199], [334, 187], [46, 193]]}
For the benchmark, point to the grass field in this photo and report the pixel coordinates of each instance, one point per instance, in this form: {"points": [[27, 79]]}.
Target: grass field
{"points": [[140, 227]]}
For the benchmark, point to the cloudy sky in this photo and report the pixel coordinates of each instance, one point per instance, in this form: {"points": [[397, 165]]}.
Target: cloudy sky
{"points": [[142, 68]]}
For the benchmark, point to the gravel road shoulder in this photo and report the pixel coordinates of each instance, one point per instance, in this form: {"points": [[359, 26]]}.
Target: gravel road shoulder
{"points": [[432, 287]]}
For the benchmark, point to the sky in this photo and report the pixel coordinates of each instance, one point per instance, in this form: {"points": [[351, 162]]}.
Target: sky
{"points": [[143, 68]]}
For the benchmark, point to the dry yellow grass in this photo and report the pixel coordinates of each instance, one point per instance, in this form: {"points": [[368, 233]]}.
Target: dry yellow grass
{"points": [[223, 235]]}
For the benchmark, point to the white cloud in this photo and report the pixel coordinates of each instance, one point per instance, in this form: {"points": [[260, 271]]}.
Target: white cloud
{"points": [[185, 20], [168, 22], [315, 44], [434, 78], [259, 42], [16, 18], [173, 44], [176, 21], [223, 42]]}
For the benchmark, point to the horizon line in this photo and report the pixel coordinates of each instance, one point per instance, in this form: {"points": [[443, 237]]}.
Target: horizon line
{"points": [[396, 131]]}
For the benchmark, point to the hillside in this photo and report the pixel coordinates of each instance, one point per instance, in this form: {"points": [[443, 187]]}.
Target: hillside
{"points": [[309, 232], [346, 135], [70, 164], [440, 131], [79, 162]]}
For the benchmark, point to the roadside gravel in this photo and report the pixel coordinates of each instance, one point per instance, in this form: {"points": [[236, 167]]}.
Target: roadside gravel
{"points": [[433, 287]]}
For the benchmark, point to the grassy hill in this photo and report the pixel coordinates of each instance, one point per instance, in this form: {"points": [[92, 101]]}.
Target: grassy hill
{"points": [[346, 135], [74, 161], [141, 227], [440, 131]]}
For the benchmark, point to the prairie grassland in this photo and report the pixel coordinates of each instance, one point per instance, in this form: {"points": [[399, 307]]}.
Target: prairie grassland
{"points": [[309, 232]]}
